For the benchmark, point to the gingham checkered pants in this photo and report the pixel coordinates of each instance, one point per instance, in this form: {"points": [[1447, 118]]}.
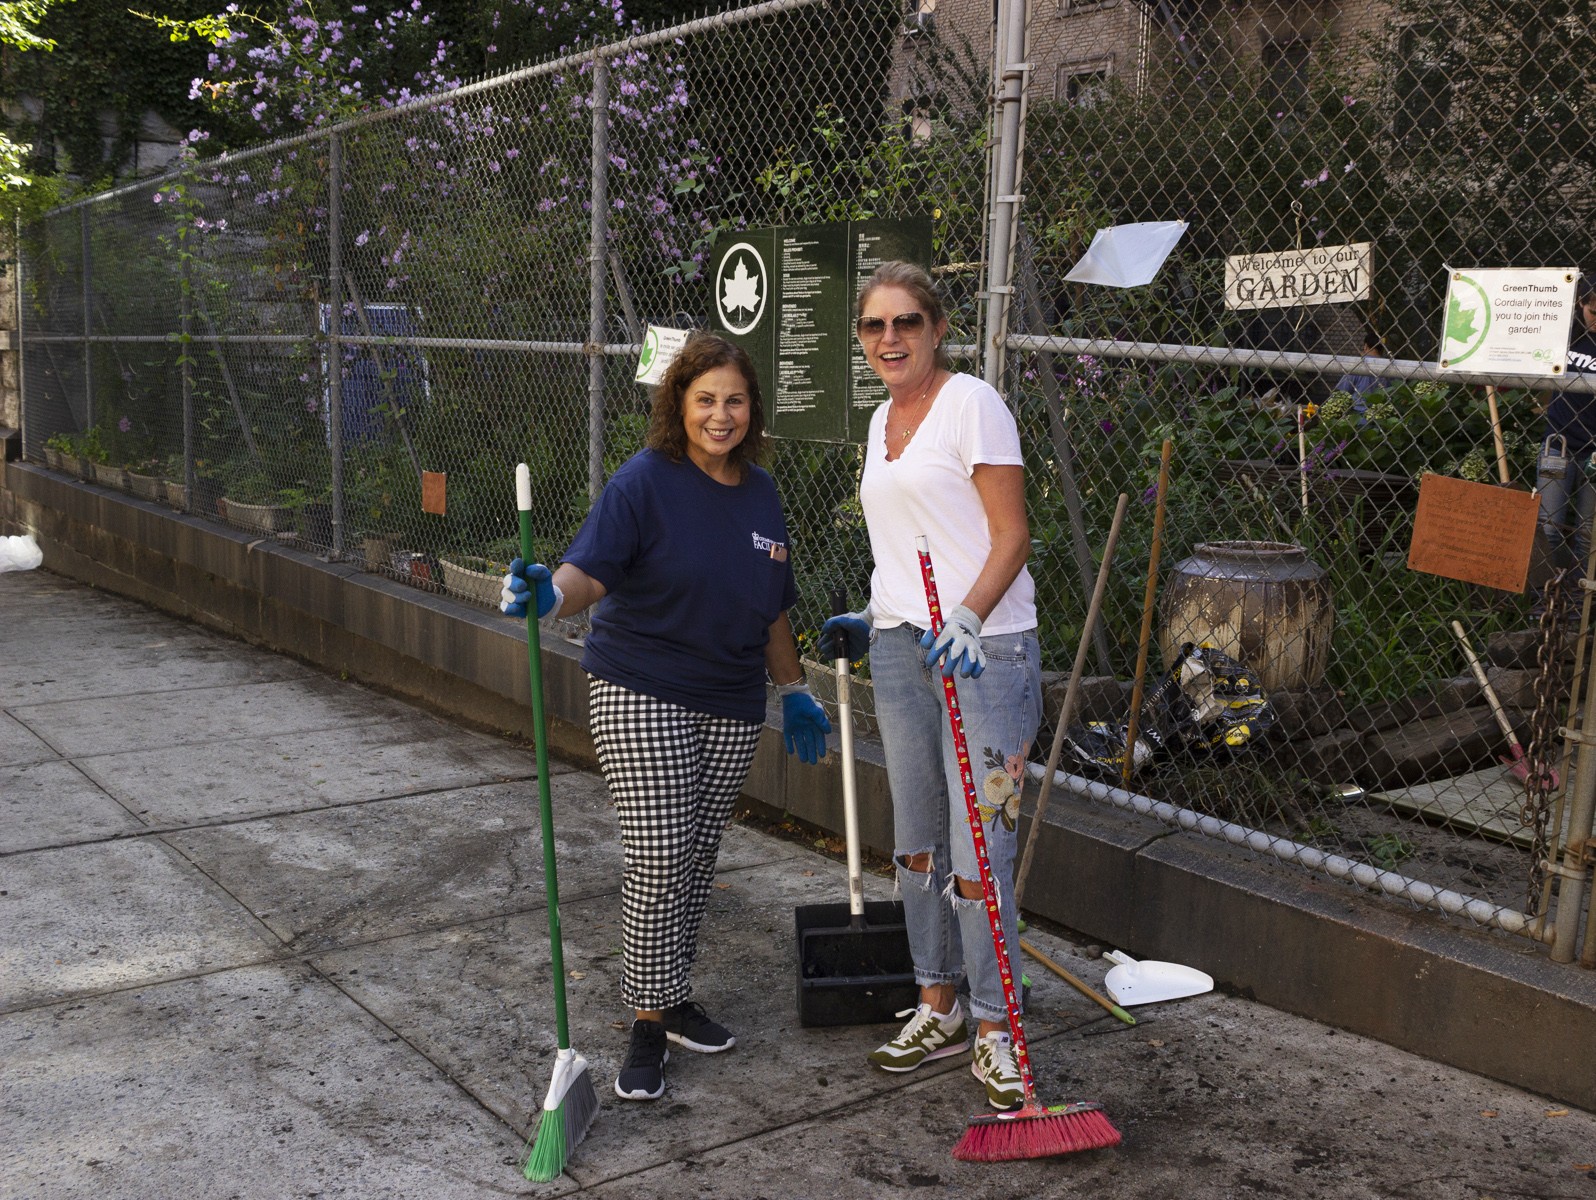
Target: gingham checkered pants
{"points": [[673, 775]]}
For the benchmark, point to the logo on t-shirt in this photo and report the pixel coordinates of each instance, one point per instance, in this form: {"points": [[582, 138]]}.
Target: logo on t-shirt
{"points": [[776, 550]]}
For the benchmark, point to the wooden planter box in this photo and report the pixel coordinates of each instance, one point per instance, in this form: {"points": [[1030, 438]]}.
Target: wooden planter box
{"points": [[176, 494], [263, 518], [52, 459], [472, 577]]}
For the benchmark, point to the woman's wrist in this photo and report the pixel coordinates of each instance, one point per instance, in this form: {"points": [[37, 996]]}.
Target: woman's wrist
{"points": [[801, 684]]}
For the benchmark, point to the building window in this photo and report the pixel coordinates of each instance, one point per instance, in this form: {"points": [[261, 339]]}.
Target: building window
{"points": [[920, 19], [1423, 85], [1068, 8], [1083, 84]]}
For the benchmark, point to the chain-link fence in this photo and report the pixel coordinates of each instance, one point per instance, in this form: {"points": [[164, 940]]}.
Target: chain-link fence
{"points": [[480, 266]]}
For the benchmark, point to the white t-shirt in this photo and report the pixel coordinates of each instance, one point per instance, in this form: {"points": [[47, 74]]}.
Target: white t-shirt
{"points": [[928, 491]]}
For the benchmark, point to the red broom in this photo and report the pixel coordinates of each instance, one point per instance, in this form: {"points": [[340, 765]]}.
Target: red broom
{"points": [[1033, 1130]]}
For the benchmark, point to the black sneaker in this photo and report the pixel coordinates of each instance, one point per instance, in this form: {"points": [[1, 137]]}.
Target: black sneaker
{"points": [[688, 1025], [643, 1076]]}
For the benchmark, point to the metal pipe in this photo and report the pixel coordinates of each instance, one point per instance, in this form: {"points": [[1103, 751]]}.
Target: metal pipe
{"points": [[1008, 113], [335, 338], [185, 321], [22, 361], [1420, 893], [88, 323], [598, 266], [1573, 869], [1407, 369]]}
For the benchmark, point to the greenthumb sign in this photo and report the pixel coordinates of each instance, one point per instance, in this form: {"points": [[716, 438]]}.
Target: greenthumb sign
{"points": [[786, 295], [1508, 320], [1295, 278]]}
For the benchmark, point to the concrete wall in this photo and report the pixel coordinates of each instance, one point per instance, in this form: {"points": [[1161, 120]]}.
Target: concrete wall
{"points": [[1486, 1003]]}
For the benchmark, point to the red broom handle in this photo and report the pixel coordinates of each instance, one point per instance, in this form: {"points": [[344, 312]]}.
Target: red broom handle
{"points": [[988, 887]]}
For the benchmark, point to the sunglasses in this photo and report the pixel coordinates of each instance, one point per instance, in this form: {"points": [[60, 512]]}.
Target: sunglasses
{"points": [[903, 323]]}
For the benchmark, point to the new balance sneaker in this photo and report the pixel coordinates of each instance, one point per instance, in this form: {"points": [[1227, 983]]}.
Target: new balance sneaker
{"points": [[994, 1064], [689, 1026], [643, 1076], [928, 1035]]}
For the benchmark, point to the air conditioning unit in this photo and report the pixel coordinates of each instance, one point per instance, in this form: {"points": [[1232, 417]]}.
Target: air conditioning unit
{"points": [[922, 23]]}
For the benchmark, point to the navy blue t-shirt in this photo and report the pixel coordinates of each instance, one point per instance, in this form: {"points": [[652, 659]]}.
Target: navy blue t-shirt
{"points": [[1573, 414], [695, 572]]}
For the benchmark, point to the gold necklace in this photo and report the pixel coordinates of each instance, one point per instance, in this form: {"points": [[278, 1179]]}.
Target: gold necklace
{"points": [[907, 431]]}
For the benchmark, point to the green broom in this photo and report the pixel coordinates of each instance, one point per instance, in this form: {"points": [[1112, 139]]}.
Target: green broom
{"points": [[571, 1104]]}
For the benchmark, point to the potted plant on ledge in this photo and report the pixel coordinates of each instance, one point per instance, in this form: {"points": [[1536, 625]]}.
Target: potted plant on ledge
{"points": [[250, 501]]}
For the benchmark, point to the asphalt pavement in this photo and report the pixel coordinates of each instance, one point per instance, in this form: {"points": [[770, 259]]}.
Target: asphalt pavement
{"points": [[269, 933]]}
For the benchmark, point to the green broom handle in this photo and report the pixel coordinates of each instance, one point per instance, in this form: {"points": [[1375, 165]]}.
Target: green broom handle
{"points": [[540, 732]]}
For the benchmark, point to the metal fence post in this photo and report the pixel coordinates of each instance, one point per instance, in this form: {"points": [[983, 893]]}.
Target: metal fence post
{"points": [[598, 261], [88, 319], [22, 358], [335, 324], [185, 331], [1007, 119]]}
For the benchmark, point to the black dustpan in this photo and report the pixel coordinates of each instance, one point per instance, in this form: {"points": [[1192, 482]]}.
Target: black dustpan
{"points": [[853, 959]]}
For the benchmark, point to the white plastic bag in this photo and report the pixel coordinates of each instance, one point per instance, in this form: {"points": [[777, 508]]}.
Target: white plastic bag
{"points": [[19, 553]]}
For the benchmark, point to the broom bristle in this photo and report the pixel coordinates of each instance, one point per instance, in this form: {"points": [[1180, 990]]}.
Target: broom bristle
{"points": [[1036, 1132], [568, 1114], [581, 1107], [547, 1160]]}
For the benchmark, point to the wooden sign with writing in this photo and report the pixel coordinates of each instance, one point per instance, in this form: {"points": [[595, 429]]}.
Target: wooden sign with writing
{"points": [[1476, 532], [434, 490]]}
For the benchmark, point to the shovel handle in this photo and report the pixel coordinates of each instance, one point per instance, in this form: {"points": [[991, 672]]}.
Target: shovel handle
{"points": [[1490, 692], [850, 791], [1079, 985]]}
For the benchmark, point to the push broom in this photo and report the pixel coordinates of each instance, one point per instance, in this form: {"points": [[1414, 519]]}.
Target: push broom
{"points": [[1033, 1130], [571, 1104]]}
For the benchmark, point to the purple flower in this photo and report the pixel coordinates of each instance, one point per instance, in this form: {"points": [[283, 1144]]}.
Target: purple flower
{"points": [[125, 425]]}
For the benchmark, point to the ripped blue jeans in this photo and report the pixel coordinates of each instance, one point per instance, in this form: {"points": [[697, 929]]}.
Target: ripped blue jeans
{"points": [[949, 937]]}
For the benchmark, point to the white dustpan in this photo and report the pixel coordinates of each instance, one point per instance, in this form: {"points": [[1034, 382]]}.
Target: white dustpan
{"points": [[1130, 982]]}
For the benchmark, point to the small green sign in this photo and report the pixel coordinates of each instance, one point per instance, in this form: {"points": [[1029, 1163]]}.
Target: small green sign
{"points": [[786, 295]]}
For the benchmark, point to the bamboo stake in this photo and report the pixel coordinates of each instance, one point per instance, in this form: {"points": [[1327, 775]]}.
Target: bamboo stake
{"points": [[1071, 696], [1496, 432], [1302, 457], [1134, 720]]}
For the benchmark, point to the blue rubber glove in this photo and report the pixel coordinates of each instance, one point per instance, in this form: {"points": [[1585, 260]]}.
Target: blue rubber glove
{"points": [[524, 581], [803, 723], [847, 634], [958, 646]]}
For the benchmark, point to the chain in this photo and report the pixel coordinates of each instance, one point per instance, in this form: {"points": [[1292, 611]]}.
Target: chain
{"points": [[1542, 752]]}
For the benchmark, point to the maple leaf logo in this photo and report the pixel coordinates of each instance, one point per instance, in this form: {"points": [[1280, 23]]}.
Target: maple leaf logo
{"points": [[1459, 323], [741, 290]]}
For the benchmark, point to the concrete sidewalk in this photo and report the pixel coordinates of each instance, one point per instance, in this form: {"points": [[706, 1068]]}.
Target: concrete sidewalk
{"points": [[264, 933]]}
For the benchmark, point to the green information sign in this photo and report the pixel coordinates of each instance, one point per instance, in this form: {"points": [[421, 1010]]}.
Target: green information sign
{"points": [[786, 296]]}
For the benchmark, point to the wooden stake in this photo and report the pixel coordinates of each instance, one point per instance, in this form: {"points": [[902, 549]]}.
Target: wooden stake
{"points": [[1496, 432], [1134, 720]]}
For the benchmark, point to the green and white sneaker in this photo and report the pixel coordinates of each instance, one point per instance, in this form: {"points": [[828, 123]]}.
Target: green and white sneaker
{"points": [[994, 1064], [928, 1035]]}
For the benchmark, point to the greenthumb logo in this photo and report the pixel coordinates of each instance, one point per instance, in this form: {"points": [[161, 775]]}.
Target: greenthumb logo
{"points": [[742, 287], [1468, 319], [645, 360]]}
